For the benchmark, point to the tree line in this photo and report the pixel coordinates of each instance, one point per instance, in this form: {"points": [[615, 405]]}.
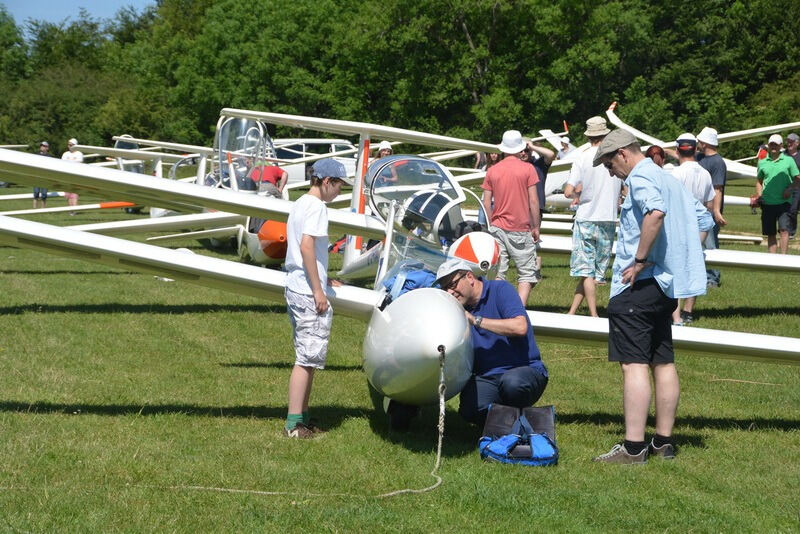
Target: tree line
{"points": [[468, 68]]}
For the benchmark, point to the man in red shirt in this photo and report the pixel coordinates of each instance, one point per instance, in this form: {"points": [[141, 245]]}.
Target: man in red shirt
{"points": [[512, 207], [271, 178]]}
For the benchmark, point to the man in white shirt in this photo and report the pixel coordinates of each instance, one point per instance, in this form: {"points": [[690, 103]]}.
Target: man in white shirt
{"points": [[595, 220], [76, 156]]}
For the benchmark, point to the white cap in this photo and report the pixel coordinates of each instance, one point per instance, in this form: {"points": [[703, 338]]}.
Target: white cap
{"points": [[513, 143], [385, 145], [72, 141], [450, 266], [565, 140], [775, 138], [708, 136]]}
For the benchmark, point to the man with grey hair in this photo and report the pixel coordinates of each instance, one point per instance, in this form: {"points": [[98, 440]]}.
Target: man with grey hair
{"points": [[658, 259], [512, 207]]}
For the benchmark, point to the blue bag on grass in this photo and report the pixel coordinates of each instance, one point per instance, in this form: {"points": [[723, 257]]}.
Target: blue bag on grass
{"points": [[519, 443]]}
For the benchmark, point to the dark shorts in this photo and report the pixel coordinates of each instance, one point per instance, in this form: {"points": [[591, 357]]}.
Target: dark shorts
{"points": [[640, 325], [772, 213], [40, 192]]}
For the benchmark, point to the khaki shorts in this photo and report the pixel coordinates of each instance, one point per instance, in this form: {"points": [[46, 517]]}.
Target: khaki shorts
{"points": [[520, 247], [311, 330]]}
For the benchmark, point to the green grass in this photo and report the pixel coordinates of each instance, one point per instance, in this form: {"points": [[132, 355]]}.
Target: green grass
{"points": [[120, 391]]}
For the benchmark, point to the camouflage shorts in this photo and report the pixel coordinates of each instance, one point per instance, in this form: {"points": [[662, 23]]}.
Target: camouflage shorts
{"points": [[591, 249], [311, 330]]}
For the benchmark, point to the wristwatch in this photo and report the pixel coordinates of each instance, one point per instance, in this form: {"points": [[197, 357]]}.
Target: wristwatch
{"points": [[478, 321], [637, 260]]}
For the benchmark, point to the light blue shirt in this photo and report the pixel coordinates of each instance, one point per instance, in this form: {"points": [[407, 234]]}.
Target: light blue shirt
{"points": [[676, 255]]}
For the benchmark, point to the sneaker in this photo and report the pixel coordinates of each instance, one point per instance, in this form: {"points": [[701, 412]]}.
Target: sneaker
{"points": [[301, 431], [677, 323], [686, 317], [666, 451], [620, 455]]}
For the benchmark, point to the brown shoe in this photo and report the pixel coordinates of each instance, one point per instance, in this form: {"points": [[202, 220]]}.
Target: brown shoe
{"points": [[620, 455], [666, 451], [300, 431]]}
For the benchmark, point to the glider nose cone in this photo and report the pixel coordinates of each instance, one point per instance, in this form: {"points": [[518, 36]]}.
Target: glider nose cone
{"points": [[401, 356]]}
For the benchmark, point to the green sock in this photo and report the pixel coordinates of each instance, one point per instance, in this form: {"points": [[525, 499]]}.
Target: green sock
{"points": [[292, 419], [306, 418]]}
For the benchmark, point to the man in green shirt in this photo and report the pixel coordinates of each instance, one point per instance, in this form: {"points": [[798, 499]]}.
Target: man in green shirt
{"points": [[777, 177]]}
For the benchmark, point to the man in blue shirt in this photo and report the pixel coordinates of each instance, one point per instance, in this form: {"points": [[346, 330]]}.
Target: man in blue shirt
{"points": [[659, 259], [508, 368]]}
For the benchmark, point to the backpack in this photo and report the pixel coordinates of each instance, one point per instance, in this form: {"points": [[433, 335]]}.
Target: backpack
{"points": [[510, 437]]}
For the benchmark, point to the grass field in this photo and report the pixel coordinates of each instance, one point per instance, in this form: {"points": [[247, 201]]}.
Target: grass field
{"points": [[125, 400]]}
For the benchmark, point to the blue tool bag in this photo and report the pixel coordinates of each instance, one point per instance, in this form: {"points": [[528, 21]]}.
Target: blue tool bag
{"points": [[509, 437]]}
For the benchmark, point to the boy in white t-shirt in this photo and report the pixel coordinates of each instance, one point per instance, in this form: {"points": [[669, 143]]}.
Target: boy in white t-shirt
{"points": [[306, 284]]}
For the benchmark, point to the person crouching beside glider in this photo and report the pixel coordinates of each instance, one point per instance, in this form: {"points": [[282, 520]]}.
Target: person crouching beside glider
{"points": [[508, 367]]}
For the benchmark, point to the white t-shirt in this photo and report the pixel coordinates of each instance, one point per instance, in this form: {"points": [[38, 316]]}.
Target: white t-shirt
{"points": [[696, 180], [76, 156], [600, 190], [308, 216]]}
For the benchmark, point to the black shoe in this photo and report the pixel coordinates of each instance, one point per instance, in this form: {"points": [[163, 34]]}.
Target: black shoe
{"points": [[686, 317], [666, 451], [400, 415]]}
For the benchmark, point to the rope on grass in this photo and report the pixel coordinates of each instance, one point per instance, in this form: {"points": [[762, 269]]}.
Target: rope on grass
{"points": [[437, 463], [742, 381], [440, 427]]}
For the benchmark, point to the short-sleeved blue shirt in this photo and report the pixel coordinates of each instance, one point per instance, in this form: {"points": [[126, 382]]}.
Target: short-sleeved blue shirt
{"points": [[496, 354], [677, 255]]}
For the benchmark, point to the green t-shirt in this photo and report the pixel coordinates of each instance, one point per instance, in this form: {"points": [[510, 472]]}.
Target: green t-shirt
{"points": [[776, 176]]}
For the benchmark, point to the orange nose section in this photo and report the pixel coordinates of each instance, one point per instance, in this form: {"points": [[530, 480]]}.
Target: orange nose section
{"points": [[272, 237]]}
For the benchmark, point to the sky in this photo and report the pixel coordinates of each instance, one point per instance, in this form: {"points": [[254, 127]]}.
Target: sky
{"points": [[59, 10]]}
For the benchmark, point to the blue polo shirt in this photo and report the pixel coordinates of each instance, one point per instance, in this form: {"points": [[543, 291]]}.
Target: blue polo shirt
{"points": [[496, 354], [677, 258]]}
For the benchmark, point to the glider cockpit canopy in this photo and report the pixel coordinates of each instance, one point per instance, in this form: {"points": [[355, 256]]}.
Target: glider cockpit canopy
{"points": [[240, 145], [428, 199]]}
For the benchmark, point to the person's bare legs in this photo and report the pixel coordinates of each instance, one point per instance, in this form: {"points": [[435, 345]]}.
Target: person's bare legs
{"points": [[635, 399], [590, 290], [577, 298], [784, 241], [772, 244], [688, 304], [523, 290], [667, 386], [676, 313], [300, 388]]}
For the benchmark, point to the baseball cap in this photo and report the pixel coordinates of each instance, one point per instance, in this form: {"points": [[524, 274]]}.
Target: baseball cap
{"points": [[385, 145], [686, 141], [44, 143], [775, 138], [330, 168], [72, 141], [617, 139], [450, 266], [793, 137]]}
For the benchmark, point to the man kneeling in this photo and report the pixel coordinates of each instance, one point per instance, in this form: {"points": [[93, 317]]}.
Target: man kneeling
{"points": [[508, 368]]}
